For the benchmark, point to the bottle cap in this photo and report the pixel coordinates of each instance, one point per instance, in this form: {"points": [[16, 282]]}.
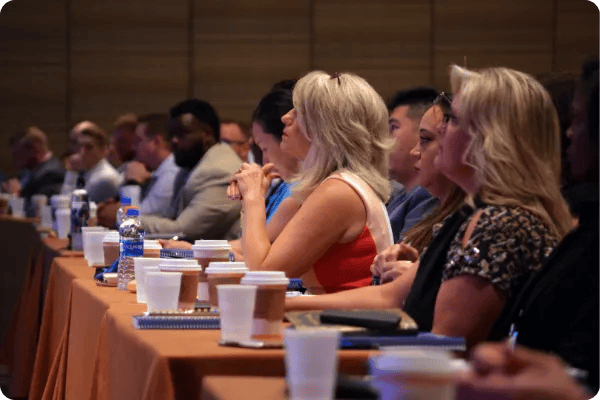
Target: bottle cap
{"points": [[80, 183], [125, 201], [133, 212]]}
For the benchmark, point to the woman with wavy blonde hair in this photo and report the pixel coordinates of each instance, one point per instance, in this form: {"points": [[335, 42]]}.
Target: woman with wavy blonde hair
{"points": [[514, 146], [339, 129], [499, 144]]}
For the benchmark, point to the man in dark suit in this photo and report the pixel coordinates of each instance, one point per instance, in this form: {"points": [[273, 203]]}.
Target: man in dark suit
{"points": [[39, 171]]}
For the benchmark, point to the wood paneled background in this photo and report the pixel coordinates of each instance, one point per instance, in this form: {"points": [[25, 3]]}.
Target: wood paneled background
{"points": [[62, 61]]}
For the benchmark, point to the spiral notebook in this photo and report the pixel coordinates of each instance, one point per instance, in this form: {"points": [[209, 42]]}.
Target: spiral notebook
{"points": [[145, 321]]}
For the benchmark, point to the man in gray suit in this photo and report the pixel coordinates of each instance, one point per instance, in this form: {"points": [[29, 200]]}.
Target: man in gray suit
{"points": [[200, 208]]}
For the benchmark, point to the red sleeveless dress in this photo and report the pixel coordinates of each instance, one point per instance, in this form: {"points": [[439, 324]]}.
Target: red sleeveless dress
{"points": [[347, 265]]}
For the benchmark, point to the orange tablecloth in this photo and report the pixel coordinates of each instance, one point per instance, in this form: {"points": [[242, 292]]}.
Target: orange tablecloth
{"points": [[170, 364], [90, 348], [248, 388], [24, 253], [52, 346]]}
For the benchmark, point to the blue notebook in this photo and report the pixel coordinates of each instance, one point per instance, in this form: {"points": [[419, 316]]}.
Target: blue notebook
{"points": [[144, 321]]}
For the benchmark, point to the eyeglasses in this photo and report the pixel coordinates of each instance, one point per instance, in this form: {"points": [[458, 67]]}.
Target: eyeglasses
{"points": [[442, 98]]}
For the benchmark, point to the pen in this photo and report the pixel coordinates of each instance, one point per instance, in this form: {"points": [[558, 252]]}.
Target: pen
{"points": [[575, 373]]}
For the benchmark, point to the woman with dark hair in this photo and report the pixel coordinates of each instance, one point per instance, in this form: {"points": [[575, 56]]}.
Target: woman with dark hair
{"points": [[267, 131]]}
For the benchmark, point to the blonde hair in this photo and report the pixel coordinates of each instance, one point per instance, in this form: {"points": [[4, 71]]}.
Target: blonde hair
{"points": [[347, 122], [515, 141]]}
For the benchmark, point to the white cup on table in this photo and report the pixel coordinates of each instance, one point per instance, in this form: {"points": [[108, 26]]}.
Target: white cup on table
{"points": [[141, 265], [311, 359], [162, 291], [63, 222], [414, 374], [46, 216], [236, 307], [17, 207], [95, 250]]}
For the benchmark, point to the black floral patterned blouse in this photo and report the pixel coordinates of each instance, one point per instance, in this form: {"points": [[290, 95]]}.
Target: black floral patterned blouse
{"points": [[507, 244]]}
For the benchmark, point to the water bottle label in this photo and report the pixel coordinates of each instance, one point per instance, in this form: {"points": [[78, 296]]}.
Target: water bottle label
{"points": [[132, 248]]}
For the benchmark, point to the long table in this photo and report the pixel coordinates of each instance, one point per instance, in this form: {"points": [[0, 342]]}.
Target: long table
{"points": [[26, 261], [90, 349]]}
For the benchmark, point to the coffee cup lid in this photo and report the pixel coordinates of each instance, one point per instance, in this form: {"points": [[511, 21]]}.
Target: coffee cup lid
{"points": [[178, 264], [211, 245], [111, 236], [226, 268], [411, 360], [265, 278], [146, 261], [152, 244]]}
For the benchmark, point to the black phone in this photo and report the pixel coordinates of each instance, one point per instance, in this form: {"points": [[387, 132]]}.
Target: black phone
{"points": [[370, 319]]}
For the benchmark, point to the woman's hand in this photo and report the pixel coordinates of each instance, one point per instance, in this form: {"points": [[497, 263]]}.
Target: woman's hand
{"points": [[251, 182], [519, 374], [394, 261], [175, 244]]}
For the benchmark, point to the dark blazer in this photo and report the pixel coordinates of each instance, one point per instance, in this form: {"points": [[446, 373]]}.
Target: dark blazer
{"points": [[46, 179]]}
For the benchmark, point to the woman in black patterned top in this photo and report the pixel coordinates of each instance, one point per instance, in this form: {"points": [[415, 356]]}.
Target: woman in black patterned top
{"points": [[500, 144]]}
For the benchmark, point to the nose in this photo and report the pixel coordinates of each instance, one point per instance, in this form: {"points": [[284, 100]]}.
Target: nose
{"points": [[287, 118], [415, 152]]}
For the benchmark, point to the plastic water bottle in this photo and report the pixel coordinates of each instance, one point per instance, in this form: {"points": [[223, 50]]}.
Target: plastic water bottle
{"points": [[80, 214], [125, 203], [131, 244]]}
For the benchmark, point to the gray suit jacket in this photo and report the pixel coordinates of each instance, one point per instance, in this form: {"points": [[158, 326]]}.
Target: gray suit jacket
{"points": [[201, 208]]}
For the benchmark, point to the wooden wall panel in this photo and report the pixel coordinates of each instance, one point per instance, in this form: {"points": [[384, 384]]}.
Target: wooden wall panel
{"points": [[66, 60], [32, 71], [387, 43], [576, 33], [242, 48], [127, 56], [512, 33]]}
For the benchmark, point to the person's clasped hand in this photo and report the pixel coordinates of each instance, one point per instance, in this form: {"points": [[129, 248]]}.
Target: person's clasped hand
{"points": [[136, 171], [519, 373], [251, 182], [394, 261]]}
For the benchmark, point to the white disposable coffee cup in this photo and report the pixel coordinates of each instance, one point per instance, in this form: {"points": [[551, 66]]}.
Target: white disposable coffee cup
{"points": [[37, 202], [414, 374], [311, 360], [190, 271], [17, 207], [95, 250], [207, 251], [141, 265], [59, 201], [46, 217], [162, 291], [63, 222], [223, 273], [271, 287], [86, 238], [236, 306], [110, 242]]}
